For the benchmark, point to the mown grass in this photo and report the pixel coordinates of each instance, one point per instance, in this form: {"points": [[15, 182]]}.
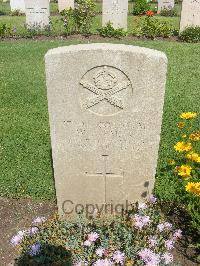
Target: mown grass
{"points": [[25, 150]]}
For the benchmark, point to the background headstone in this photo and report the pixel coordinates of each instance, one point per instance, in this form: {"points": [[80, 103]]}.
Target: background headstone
{"points": [[17, 5], [190, 14], [105, 107], [165, 4], [37, 13], [115, 11], [65, 4]]}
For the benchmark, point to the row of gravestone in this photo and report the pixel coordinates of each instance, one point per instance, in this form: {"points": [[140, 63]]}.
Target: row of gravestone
{"points": [[115, 11]]}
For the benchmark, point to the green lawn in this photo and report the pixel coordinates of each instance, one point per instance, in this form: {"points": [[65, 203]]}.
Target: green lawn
{"points": [[26, 166]]}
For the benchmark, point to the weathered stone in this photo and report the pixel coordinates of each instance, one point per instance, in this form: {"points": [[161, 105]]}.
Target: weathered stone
{"points": [[65, 4], [116, 12], [190, 15], [17, 5], [165, 4], [37, 13], [105, 108]]}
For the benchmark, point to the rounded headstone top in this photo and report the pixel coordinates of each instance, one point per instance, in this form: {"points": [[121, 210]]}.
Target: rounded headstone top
{"points": [[107, 47]]}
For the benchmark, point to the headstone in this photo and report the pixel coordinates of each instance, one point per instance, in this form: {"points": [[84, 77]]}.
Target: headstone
{"points": [[190, 14], [17, 5], [65, 4], [105, 107], [116, 12], [165, 4], [37, 13]]}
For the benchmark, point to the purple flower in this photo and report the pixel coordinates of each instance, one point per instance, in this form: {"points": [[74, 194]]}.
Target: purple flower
{"points": [[34, 249], [142, 206], [177, 234], [167, 225], [160, 227], [92, 237], [141, 220], [16, 240], [152, 241], [100, 251], [105, 262], [118, 257], [167, 258], [169, 244], [32, 230], [152, 199], [87, 243], [39, 220], [149, 257]]}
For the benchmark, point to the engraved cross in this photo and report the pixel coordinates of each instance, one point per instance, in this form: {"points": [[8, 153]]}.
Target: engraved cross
{"points": [[106, 174]]}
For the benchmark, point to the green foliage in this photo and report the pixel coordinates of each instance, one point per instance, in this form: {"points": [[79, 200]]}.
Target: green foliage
{"points": [[123, 233], [16, 13], [152, 27], [84, 14], [80, 18], [190, 34], [140, 7], [4, 30], [109, 31], [166, 12], [68, 21]]}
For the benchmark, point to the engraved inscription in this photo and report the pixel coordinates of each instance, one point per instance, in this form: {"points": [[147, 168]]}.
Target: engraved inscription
{"points": [[105, 85]]}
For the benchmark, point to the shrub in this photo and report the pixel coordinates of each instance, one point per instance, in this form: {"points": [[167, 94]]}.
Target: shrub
{"points": [[140, 7], [84, 14], [190, 34], [16, 13], [80, 18], [4, 30], [109, 31], [166, 12], [136, 237], [151, 27]]}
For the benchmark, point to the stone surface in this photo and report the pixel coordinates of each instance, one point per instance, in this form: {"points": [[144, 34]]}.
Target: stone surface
{"points": [[37, 13], [115, 11], [105, 107], [65, 4], [165, 4], [190, 15], [17, 5]]}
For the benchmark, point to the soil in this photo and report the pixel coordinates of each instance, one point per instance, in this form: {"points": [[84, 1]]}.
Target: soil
{"points": [[89, 38], [18, 214]]}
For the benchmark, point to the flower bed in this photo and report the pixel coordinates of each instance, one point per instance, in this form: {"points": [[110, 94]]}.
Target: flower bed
{"points": [[139, 236]]}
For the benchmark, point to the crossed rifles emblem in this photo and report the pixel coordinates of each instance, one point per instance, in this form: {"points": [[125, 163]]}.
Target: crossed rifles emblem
{"points": [[105, 87]]}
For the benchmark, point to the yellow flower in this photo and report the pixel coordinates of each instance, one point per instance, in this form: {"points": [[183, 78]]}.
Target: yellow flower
{"points": [[193, 157], [180, 124], [183, 146], [188, 115], [193, 187], [195, 136], [184, 170], [184, 136], [171, 162]]}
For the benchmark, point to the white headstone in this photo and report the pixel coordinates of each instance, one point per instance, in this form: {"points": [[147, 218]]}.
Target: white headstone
{"points": [[190, 15], [37, 13], [17, 5], [165, 4], [105, 107], [65, 4], [116, 12]]}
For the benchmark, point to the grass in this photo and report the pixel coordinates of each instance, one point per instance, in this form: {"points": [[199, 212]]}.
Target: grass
{"points": [[25, 150]]}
